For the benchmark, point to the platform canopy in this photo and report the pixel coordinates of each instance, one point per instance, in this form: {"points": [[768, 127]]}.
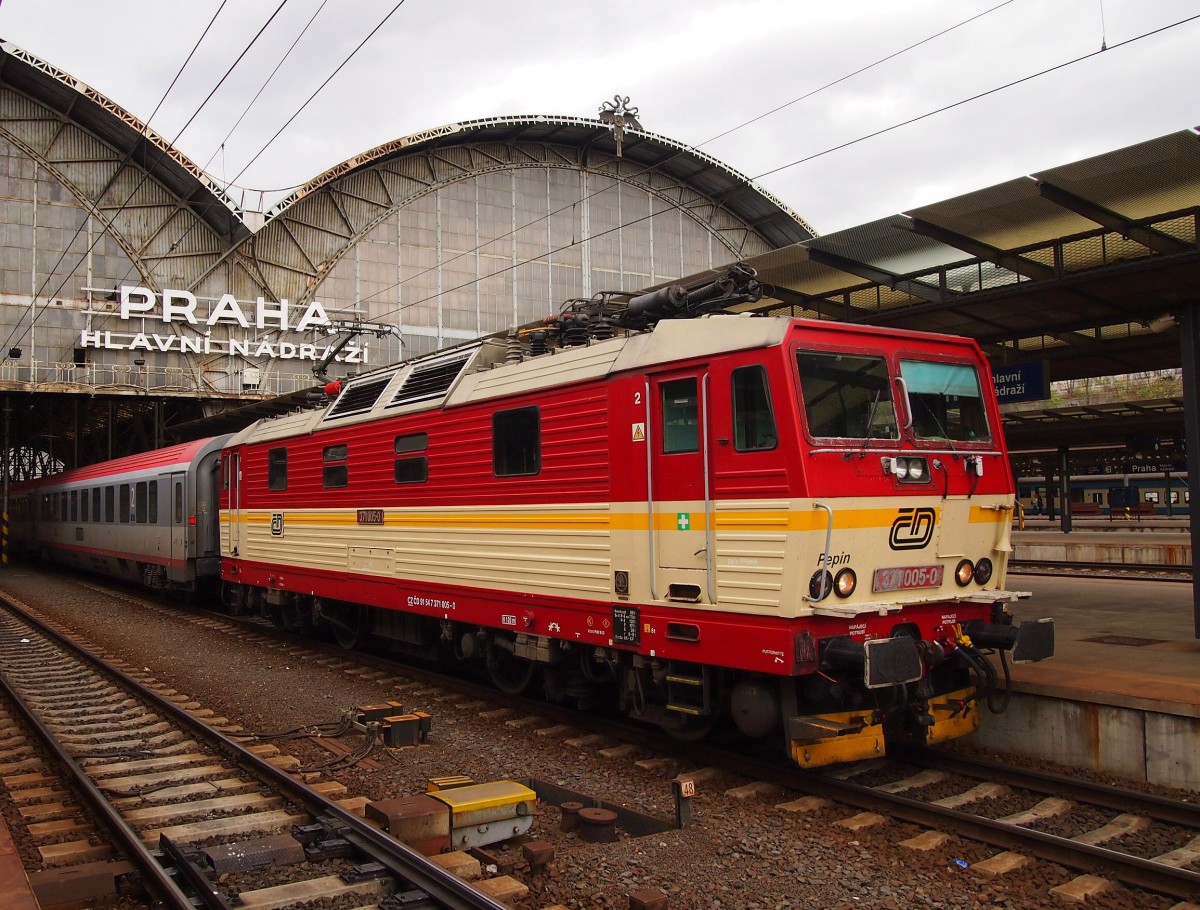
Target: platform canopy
{"points": [[1083, 265]]}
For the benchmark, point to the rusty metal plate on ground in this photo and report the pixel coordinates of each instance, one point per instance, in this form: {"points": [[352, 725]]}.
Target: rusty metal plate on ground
{"points": [[1127, 640]]}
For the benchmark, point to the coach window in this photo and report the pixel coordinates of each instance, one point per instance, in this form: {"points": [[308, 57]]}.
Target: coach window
{"points": [[153, 502], [110, 504], [847, 396], [96, 514], [753, 419], [74, 505], [123, 503], [277, 477], [335, 473], [414, 468], [140, 507], [62, 507], [680, 416], [179, 502], [83, 505], [516, 442]]}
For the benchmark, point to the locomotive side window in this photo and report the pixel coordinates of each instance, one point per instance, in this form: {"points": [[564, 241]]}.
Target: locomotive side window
{"points": [[944, 401], [680, 416], [516, 442], [277, 469], [847, 396], [753, 419], [110, 509], [415, 468], [335, 475]]}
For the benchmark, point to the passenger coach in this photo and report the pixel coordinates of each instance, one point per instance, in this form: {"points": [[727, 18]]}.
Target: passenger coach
{"points": [[149, 518]]}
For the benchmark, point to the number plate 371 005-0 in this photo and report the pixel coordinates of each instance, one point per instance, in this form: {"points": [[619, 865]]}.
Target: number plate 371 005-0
{"points": [[903, 579]]}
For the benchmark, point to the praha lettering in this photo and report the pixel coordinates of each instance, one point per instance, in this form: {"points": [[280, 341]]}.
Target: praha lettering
{"points": [[139, 303]]}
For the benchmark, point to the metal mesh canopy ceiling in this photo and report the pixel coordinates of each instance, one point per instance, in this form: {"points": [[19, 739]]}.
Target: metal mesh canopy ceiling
{"points": [[1073, 264]]}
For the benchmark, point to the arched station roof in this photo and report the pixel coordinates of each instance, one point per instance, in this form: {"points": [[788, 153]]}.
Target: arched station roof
{"points": [[309, 231], [154, 201]]}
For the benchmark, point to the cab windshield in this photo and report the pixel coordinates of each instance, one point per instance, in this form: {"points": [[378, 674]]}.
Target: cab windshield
{"points": [[847, 396], [944, 401]]}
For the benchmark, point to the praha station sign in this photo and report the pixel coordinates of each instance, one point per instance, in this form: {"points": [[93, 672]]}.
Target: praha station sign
{"points": [[179, 308]]}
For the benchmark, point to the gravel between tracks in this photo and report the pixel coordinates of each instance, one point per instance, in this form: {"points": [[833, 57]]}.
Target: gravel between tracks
{"points": [[736, 854]]}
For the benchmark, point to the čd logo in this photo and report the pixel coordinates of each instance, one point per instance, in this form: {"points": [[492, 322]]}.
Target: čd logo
{"points": [[912, 529]]}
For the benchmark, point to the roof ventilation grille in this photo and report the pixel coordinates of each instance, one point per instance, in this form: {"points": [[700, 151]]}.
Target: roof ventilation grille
{"points": [[359, 396], [430, 380]]}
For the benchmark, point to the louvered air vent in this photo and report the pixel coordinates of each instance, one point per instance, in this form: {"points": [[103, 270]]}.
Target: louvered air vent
{"points": [[359, 396], [430, 380]]}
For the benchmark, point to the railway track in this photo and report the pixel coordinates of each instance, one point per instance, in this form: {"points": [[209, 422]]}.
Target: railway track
{"points": [[942, 794], [1101, 570], [949, 793], [181, 803]]}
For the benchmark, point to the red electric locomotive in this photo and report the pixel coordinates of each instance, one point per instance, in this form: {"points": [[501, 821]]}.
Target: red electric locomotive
{"points": [[800, 527]]}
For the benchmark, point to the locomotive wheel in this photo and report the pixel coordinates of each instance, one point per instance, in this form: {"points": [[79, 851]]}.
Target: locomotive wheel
{"points": [[512, 675], [349, 623]]}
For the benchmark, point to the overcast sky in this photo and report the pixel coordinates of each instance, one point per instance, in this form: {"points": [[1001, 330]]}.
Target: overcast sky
{"points": [[693, 68]]}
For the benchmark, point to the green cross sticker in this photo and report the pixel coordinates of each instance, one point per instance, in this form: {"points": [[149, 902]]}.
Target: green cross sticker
{"points": [[683, 520]]}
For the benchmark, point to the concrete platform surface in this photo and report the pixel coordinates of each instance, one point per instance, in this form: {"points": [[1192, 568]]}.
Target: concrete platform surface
{"points": [[1118, 642], [1122, 693]]}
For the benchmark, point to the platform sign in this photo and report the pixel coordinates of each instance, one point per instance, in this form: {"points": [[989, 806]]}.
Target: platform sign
{"points": [[1022, 381]]}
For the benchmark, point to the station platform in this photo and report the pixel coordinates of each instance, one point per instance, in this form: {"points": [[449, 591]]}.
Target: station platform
{"points": [[1121, 694], [1100, 541]]}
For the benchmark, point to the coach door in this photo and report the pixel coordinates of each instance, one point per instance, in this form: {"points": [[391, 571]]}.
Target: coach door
{"points": [[177, 522], [679, 486], [233, 513]]}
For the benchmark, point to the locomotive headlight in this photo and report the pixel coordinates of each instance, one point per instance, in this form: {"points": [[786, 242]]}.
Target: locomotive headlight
{"points": [[820, 585], [964, 573], [906, 468], [983, 571], [845, 583]]}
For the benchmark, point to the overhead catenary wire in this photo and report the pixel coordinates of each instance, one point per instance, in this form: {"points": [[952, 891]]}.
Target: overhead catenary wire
{"points": [[812, 157], [588, 196], [809, 94]]}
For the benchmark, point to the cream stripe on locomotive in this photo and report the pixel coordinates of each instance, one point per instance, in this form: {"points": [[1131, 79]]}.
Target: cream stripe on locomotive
{"points": [[765, 551]]}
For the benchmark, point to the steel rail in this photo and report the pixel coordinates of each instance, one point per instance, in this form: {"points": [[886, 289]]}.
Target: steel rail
{"points": [[1130, 870], [1151, 805], [447, 889], [157, 879]]}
